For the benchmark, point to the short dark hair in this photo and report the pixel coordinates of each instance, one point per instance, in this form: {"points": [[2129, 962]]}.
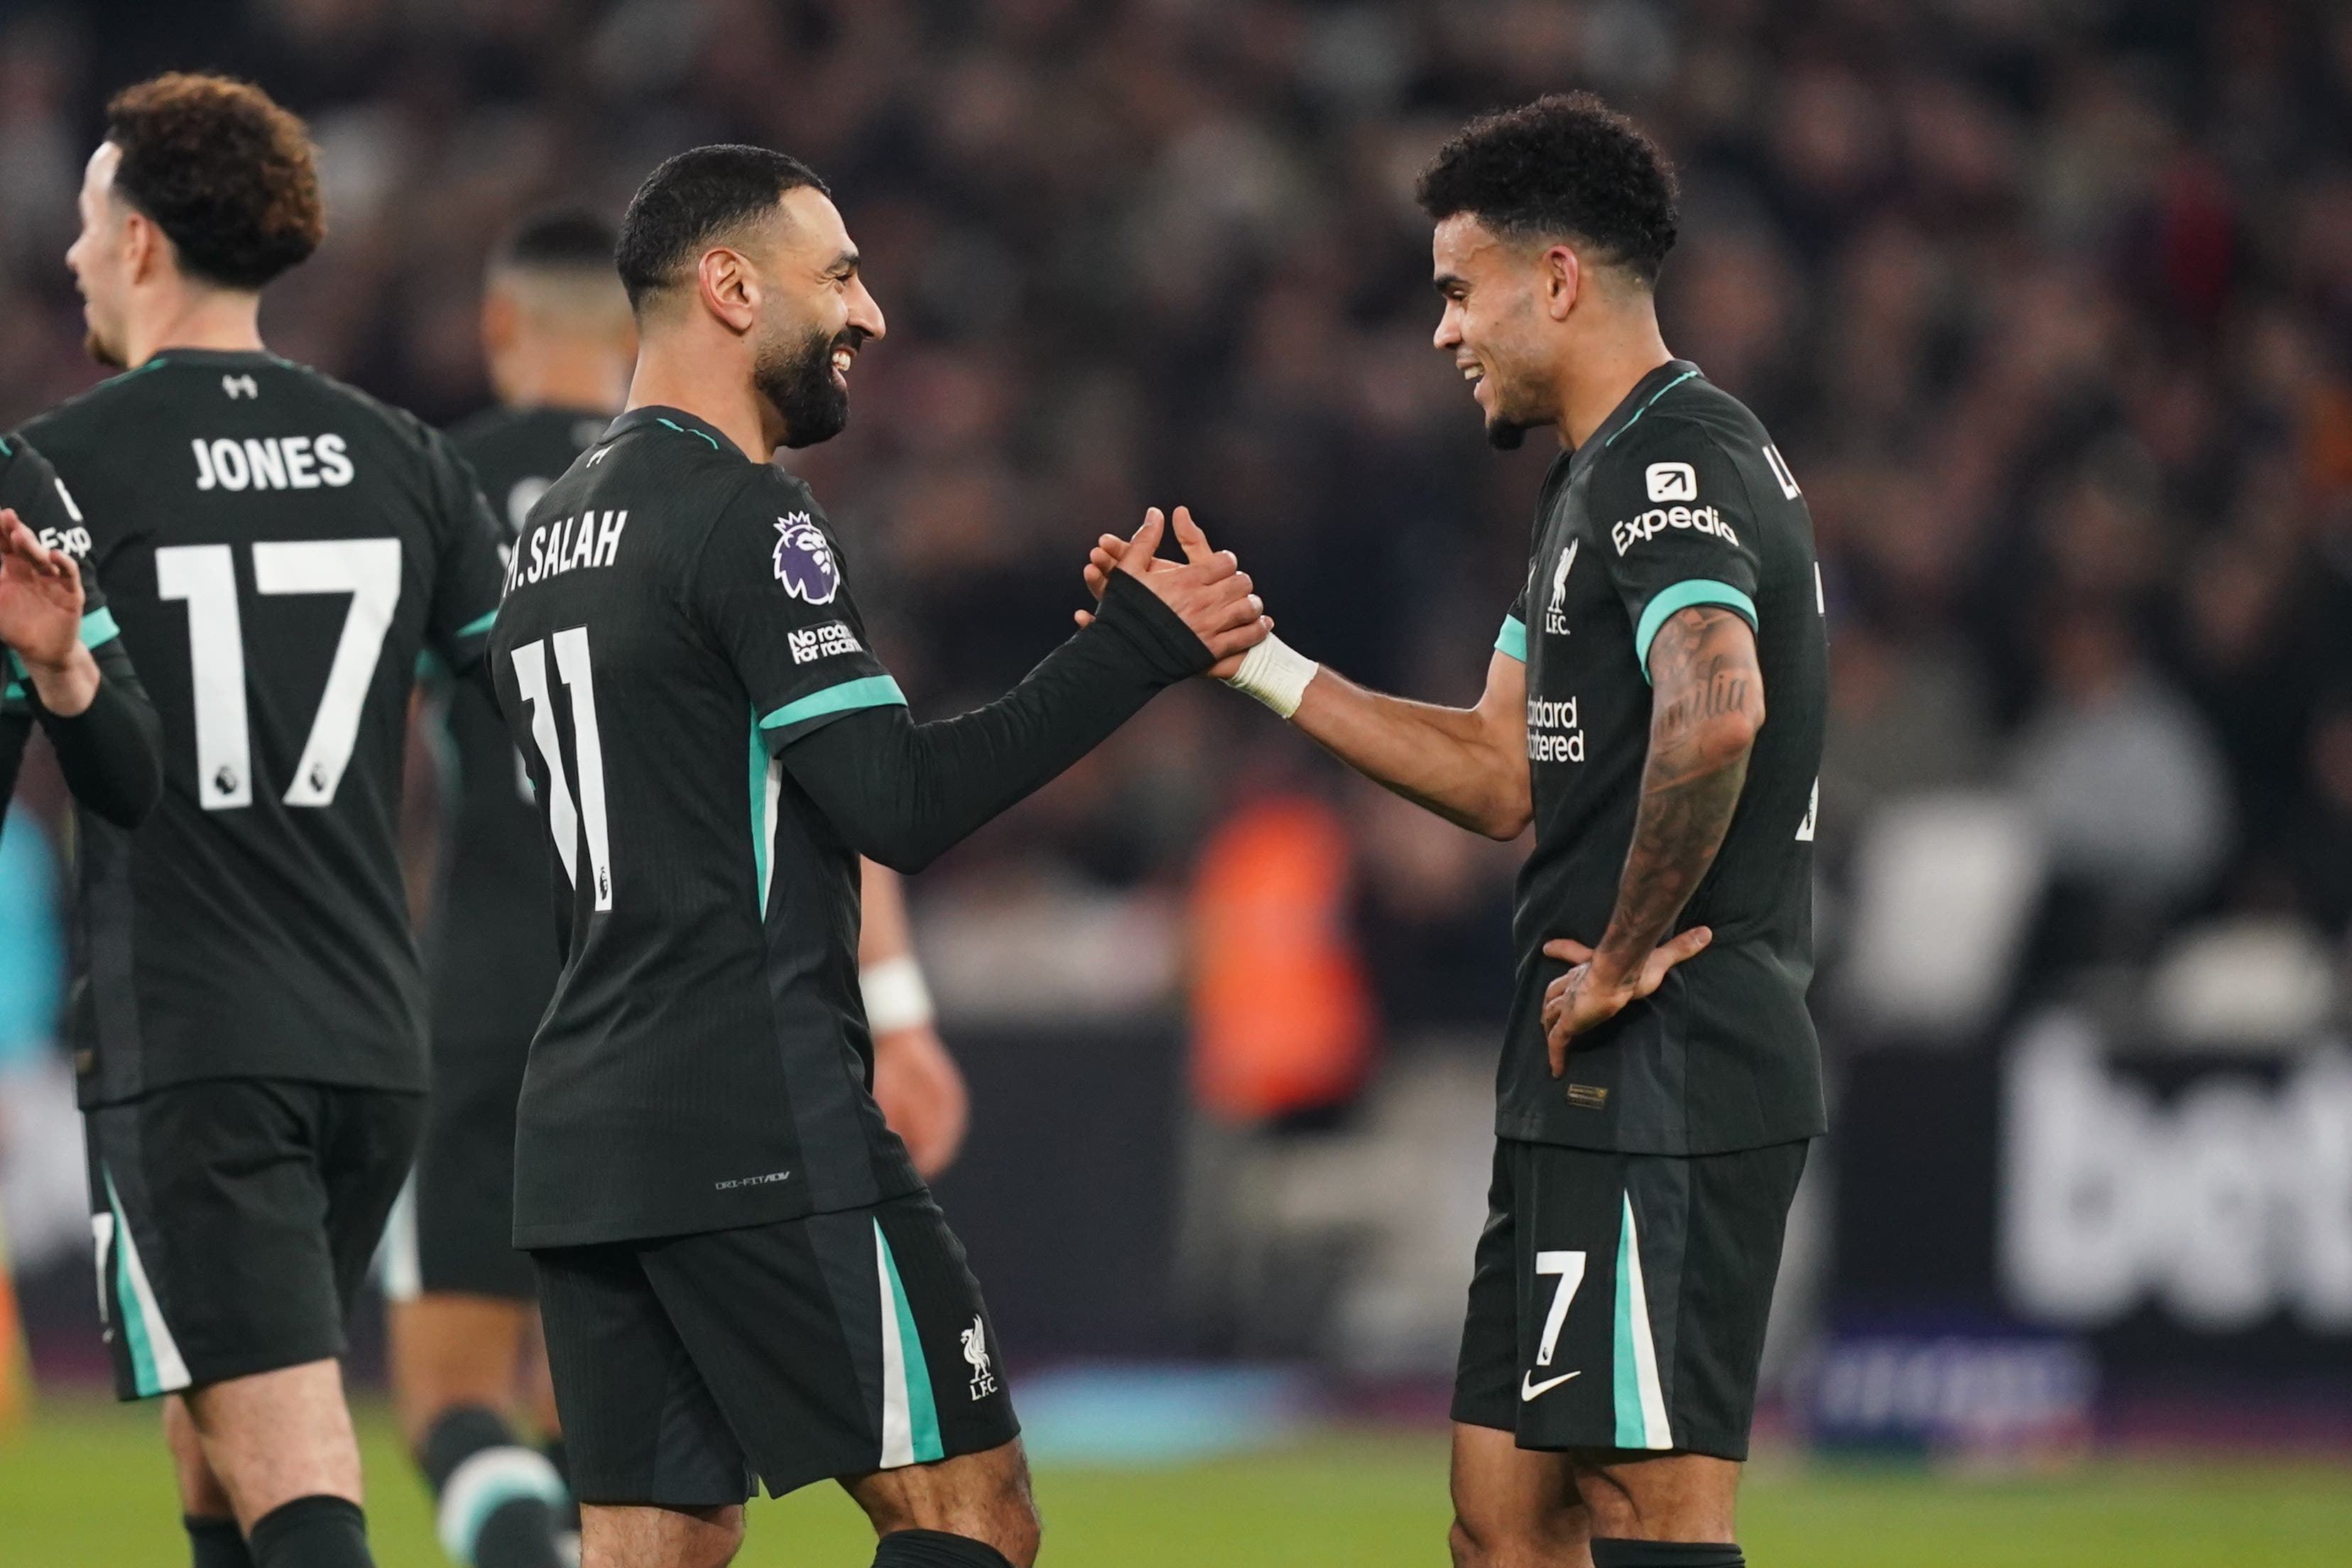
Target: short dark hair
{"points": [[564, 239], [1567, 164], [695, 198], [227, 174]]}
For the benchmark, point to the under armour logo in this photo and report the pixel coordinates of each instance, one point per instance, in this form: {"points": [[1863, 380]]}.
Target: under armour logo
{"points": [[238, 387]]}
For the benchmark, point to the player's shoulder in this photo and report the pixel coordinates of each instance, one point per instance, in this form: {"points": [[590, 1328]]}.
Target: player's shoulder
{"points": [[21, 463], [498, 430], [1690, 428], [86, 413]]}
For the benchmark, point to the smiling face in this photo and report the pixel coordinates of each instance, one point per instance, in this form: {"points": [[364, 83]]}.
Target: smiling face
{"points": [[1506, 306], [814, 315], [100, 257]]}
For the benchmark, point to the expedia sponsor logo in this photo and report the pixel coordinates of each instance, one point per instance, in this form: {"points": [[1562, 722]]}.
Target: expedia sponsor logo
{"points": [[1554, 733], [823, 642], [1658, 519]]}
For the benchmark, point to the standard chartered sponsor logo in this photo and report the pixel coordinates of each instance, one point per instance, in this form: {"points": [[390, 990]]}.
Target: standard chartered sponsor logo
{"points": [[1554, 733], [1658, 519]]}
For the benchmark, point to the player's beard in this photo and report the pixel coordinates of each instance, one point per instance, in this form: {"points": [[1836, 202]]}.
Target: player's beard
{"points": [[797, 381], [101, 351]]}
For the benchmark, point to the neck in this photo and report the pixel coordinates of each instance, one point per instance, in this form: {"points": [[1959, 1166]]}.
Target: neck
{"points": [[1598, 375], [712, 387], [187, 316], [561, 374]]}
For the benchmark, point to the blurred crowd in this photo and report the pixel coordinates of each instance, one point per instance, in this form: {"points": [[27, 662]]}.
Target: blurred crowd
{"points": [[2047, 305]]}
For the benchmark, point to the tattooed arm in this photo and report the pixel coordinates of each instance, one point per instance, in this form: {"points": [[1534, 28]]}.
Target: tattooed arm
{"points": [[1707, 706]]}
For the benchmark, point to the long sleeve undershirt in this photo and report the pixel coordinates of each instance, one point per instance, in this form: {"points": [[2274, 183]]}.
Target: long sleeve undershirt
{"points": [[111, 753], [903, 793]]}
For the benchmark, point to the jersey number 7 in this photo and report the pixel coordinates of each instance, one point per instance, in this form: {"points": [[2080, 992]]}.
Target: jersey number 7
{"points": [[565, 821], [205, 577]]}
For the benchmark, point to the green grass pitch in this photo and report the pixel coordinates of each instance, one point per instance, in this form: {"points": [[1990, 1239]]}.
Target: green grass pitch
{"points": [[85, 1485]]}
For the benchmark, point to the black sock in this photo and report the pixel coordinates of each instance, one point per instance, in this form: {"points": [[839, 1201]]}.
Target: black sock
{"points": [[315, 1531], [497, 1501], [1617, 1553], [934, 1549], [215, 1543]]}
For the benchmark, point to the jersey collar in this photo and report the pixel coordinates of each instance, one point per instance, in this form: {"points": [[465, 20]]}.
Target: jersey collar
{"points": [[673, 421], [1636, 402]]}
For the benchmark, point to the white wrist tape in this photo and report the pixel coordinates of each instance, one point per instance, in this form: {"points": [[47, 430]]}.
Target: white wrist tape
{"points": [[1275, 674], [895, 997]]}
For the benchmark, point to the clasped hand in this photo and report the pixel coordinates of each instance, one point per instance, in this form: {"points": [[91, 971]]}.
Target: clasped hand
{"points": [[1208, 587]]}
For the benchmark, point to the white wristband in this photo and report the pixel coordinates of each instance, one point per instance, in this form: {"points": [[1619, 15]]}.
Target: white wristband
{"points": [[895, 997], [1275, 674]]}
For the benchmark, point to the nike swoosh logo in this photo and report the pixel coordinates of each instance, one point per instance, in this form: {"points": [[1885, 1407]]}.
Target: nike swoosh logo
{"points": [[1533, 1390]]}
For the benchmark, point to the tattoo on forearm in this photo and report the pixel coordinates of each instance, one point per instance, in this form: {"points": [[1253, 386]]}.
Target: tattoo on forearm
{"points": [[1704, 662]]}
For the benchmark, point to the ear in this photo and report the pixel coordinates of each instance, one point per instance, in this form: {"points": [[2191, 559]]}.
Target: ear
{"points": [[143, 246], [501, 321], [1563, 282], [729, 287]]}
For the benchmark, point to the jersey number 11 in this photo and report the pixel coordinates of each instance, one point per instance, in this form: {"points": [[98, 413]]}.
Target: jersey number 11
{"points": [[565, 821]]}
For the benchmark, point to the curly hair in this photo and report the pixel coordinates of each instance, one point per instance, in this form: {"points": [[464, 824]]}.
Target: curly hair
{"points": [[1565, 165], [226, 174]]}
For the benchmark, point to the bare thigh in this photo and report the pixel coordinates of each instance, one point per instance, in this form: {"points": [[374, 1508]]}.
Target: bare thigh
{"points": [[1635, 1496], [659, 1537], [277, 1436], [1514, 1507], [448, 1350], [981, 1497]]}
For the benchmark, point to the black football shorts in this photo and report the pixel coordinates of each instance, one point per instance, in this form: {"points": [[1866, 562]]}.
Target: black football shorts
{"points": [[235, 1221], [688, 1367], [1619, 1301], [454, 1230]]}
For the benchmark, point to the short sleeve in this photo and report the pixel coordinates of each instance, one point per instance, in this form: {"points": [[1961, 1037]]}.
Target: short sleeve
{"points": [[769, 585], [1512, 640], [470, 572], [1677, 525], [30, 486]]}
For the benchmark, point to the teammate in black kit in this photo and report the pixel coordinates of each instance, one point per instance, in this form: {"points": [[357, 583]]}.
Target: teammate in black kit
{"points": [[277, 550], [1652, 1120], [559, 343], [742, 1276], [64, 666]]}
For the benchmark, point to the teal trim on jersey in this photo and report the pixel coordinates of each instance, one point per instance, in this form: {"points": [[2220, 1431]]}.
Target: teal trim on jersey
{"points": [[682, 430], [479, 624], [97, 628], [922, 1410], [13, 692], [5, 450], [760, 760], [866, 692], [1645, 407], [1681, 596], [1512, 640]]}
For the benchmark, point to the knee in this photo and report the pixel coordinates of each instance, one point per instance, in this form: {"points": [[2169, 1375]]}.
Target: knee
{"points": [[1020, 1532], [1473, 1546]]}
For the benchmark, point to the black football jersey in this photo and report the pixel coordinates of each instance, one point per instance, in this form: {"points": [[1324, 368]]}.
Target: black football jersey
{"points": [[30, 487], [277, 549], [1679, 499], [677, 614], [490, 947]]}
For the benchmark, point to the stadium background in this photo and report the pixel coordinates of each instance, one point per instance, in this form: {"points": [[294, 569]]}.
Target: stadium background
{"points": [[2049, 307]]}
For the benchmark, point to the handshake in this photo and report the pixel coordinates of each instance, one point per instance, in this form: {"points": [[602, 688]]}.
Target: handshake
{"points": [[1210, 593]]}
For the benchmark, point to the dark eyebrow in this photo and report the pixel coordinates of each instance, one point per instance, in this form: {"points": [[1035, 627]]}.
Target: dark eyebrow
{"points": [[1445, 281], [846, 262]]}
